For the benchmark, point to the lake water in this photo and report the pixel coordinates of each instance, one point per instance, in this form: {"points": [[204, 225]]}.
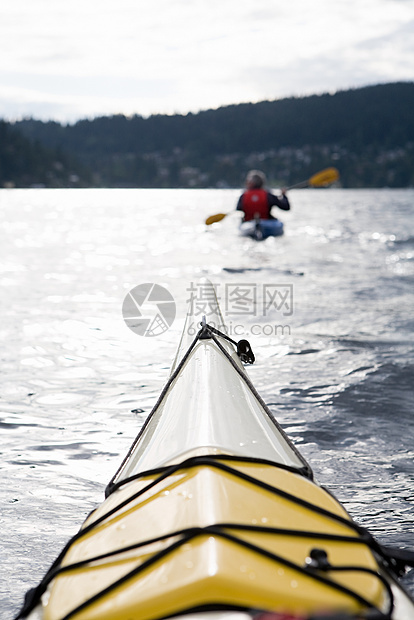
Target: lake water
{"points": [[334, 351]]}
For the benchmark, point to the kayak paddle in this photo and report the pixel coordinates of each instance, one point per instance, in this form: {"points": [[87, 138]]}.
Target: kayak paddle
{"points": [[320, 179]]}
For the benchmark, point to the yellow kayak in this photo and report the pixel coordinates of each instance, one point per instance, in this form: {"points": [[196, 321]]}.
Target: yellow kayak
{"points": [[214, 515]]}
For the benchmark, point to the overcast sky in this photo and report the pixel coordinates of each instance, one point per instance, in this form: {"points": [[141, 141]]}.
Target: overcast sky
{"points": [[71, 59]]}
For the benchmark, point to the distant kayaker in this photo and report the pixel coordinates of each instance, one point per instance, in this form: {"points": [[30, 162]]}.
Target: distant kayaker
{"points": [[258, 202]]}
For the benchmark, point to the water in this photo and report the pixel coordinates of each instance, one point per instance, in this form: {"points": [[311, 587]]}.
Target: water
{"points": [[334, 362]]}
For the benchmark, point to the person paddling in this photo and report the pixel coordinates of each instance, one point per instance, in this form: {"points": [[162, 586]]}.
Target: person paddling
{"points": [[256, 202]]}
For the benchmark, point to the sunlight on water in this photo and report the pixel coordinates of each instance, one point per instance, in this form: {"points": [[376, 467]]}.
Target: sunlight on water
{"points": [[334, 360]]}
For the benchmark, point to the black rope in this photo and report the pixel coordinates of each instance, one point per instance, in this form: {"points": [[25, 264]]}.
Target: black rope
{"points": [[163, 473], [206, 460], [243, 348], [398, 559], [368, 571], [113, 586], [252, 388], [315, 575], [207, 331], [189, 463], [258, 529], [217, 530], [164, 391], [213, 457], [37, 592]]}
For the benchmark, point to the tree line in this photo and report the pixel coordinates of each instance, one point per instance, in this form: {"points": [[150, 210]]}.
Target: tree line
{"points": [[26, 162], [368, 133]]}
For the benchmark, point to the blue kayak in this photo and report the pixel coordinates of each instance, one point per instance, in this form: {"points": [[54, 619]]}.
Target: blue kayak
{"points": [[261, 229]]}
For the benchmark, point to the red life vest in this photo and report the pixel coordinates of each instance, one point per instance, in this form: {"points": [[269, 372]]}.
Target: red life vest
{"points": [[254, 201]]}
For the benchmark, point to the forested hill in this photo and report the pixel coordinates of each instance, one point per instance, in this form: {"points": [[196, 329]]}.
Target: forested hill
{"points": [[26, 162], [368, 133]]}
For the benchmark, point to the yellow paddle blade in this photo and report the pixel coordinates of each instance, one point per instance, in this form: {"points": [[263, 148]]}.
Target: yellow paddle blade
{"points": [[324, 177], [215, 218]]}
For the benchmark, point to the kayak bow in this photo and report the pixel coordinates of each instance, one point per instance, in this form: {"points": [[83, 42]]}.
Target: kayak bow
{"points": [[214, 511]]}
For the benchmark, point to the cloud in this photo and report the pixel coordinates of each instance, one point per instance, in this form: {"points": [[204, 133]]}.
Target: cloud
{"points": [[123, 56]]}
